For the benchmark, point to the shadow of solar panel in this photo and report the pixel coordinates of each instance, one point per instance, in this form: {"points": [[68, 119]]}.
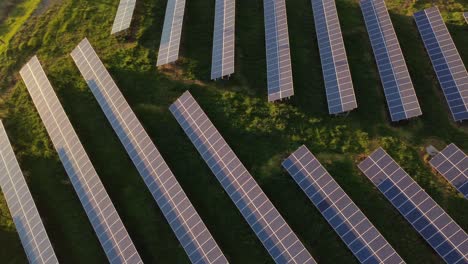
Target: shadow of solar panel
{"points": [[452, 163], [439, 230], [22, 208], [279, 72], [446, 61], [396, 81], [172, 31], [335, 68], [222, 63], [356, 231], [124, 15], [104, 219], [171, 199], [269, 226]]}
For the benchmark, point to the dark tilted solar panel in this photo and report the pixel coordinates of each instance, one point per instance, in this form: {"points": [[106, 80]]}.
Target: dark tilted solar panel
{"points": [[278, 58], [222, 62], [101, 212], [447, 238], [452, 163], [356, 231], [269, 226], [124, 15], [172, 31], [396, 81], [446, 60], [23, 210], [174, 203], [335, 68]]}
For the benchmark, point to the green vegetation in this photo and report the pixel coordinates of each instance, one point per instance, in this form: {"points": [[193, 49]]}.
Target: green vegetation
{"points": [[13, 14], [262, 134]]}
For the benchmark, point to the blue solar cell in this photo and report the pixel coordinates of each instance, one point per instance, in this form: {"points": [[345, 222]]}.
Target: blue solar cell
{"points": [[446, 61], [356, 231], [396, 81], [172, 32], [101, 212], [279, 71], [223, 39], [269, 226], [336, 73], [452, 163], [123, 17], [22, 208], [420, 210], [168, 194]]}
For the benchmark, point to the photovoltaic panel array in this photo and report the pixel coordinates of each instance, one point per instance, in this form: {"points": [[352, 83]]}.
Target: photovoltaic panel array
{"points": [[269, 226], [174, 203], [222, 63], [466, 16], [23, 210], [124, 15], [278, 57], [335, 68], [172, 31], [447, 238], [446, 60], [356, 231], [101, 212], [452, 163], [396, 81]]}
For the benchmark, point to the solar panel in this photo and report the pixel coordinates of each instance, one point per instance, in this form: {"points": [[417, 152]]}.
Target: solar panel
{"points": [[335, 68], [278, 58], [172, 31], [23, 210], [222, 63], [396, 81], [446, 60], [439, 230], [174, 203], [356, 231], [101, 212], [452, 163], [269, 226], [123, 18], [466, 16]]}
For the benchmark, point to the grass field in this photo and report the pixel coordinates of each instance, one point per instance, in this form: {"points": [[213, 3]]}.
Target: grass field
{"points": [[261, 134], [13, 14]]}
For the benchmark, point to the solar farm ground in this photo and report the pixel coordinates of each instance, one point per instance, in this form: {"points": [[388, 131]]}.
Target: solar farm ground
{"points": [[262, 134]]}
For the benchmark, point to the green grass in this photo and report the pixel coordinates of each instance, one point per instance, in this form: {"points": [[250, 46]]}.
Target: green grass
{"points": [[13, 22], [262, 134]]}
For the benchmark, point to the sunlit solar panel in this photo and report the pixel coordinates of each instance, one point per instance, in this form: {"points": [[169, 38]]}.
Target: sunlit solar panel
{"points": [[356, 231], [222, 63], [23, 210], [452, 163], [101, 212], [278, 58], [172, 31], [174, 203], [124, 15], [269, 226], [446, 61], [447, 238], [396, 81], [466, 16], [335, 68]]}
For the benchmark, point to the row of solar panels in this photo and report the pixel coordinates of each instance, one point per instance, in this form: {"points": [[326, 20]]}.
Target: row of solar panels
{"points": [[396, 81], [357, 232]]}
